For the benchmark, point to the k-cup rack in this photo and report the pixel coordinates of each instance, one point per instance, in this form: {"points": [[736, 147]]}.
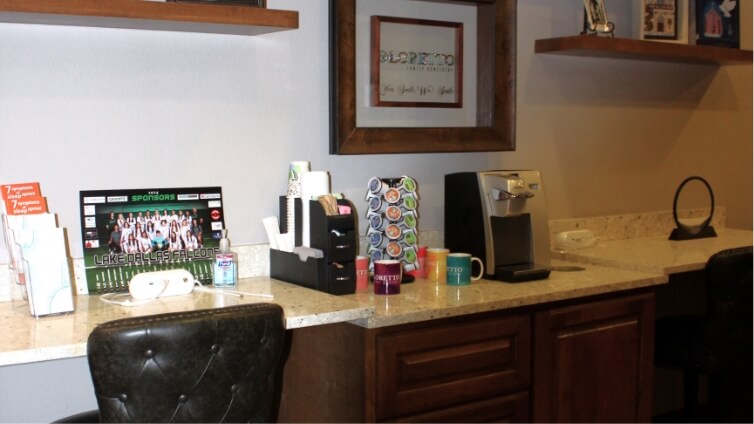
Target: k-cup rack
{"points": [[392, 216]]}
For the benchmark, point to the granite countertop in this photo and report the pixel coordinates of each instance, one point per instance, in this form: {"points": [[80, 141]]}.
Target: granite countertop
{"points": [[425, 300], [27, 339], [658, 254]]}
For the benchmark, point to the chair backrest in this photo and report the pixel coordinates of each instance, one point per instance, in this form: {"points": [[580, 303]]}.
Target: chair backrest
{"points": [[729, 303], [214, 365]]}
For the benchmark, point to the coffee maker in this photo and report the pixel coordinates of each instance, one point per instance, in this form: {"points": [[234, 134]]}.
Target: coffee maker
{"points": [[501, 218]]}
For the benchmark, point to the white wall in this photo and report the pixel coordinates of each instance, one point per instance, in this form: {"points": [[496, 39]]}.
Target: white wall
{"points": [[92, 108]]}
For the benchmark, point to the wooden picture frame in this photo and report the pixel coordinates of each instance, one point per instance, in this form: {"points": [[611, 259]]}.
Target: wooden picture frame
{"points": [[494, 129]]}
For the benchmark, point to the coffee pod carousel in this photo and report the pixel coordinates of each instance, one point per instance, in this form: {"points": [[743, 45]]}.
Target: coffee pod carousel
{"points": [[392, 215]]}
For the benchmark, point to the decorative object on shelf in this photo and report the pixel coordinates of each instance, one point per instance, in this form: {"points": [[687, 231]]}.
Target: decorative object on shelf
{"points": [[662, 20], [702, 229], [393, 215], [717, 23], [255, 3], [595, 18], [485, 120]]}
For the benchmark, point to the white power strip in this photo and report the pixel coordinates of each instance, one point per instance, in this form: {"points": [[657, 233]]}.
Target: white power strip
{"points": [[150, 285]]}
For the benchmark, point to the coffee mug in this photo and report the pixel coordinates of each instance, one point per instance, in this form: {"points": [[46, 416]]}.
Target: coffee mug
{"points": [[436, 262], [459, 269], [362, 273], [387, 276]]}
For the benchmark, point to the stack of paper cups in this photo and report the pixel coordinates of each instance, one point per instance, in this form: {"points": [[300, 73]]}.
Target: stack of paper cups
{"points": [[295, 170], [313, 184]]}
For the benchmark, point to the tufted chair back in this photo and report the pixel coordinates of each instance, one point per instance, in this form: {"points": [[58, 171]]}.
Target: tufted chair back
{"points": [[214, 365]]}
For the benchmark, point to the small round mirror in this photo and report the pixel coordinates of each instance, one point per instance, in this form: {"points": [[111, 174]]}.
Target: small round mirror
{"points": [[692, 193]]}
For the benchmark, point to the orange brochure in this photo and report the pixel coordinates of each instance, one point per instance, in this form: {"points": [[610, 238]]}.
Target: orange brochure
{"points": [[19, 191], [26, 206]]}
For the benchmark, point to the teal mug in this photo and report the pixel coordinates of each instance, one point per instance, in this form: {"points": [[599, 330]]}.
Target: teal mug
{"points": [[459, 269]]}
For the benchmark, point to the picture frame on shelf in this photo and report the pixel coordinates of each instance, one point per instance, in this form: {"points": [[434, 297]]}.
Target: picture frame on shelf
{"points": [[717, 23], [596, 21], [662, 20]]}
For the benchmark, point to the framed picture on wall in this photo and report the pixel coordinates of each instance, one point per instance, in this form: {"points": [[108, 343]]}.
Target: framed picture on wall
{"points": [[717, 23]]}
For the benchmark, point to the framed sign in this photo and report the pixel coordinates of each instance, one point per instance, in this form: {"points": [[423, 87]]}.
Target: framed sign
{"points": [[126, 232], [660, 19], [485, 95], [717, 23], [416, 62]]}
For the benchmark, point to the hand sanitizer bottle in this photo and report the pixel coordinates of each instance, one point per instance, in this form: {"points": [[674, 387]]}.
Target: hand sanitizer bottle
{"points": [[226, 265]]}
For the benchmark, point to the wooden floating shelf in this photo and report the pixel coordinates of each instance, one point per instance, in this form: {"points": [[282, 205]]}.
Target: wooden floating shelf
{"points": [[150, 15], [623, 48]]}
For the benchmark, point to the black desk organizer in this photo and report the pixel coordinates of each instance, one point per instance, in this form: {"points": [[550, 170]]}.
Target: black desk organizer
{"points": [[335, 235]]}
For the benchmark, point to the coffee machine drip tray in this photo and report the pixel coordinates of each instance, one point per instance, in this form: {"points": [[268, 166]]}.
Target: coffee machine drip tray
{"points": [[520, 273]]}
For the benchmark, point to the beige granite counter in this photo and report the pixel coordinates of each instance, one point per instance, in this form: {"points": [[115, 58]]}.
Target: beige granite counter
{"points": [[425, 300], [27, 339], [657, 254]]}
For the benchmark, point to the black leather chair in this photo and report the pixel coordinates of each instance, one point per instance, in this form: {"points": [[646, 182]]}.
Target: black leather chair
{"points": [[214, 365], [717, 344]]}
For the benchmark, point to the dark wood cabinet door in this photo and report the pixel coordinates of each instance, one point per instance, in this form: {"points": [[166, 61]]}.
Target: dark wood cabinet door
{"points": [[593, 361]]}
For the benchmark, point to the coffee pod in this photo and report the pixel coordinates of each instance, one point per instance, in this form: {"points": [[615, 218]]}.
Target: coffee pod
{"points": [[394, 249], [409, 237], [393, 232], [392, 195], [377, 222], [377, 205], [376, 187], [408, 219], [375, 254], [393, 213], [378, 241], [408, 202], [410, 254], [407, 184]]}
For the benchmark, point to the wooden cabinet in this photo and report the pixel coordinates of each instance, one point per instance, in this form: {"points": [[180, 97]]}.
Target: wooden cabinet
{"points": [[431, 371], [593, 361], [471, 368], [576, 361]]}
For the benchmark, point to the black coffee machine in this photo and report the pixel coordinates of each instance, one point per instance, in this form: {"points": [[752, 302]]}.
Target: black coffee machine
{"points": [[501, 218]]}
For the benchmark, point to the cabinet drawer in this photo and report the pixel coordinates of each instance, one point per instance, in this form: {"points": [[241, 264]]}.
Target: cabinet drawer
{"points": [[427, 369], [505, 409]]}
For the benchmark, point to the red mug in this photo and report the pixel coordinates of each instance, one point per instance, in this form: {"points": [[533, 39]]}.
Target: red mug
{"points": [[387, 276]]}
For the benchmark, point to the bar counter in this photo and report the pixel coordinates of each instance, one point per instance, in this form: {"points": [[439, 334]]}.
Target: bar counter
{"points": [[27, 339]]}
